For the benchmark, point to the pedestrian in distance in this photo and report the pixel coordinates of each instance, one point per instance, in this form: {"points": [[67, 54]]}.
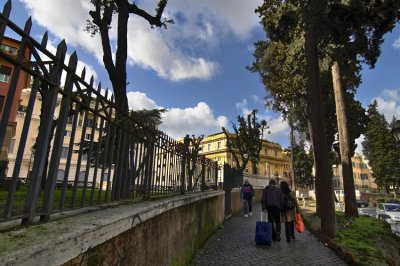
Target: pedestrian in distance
{"points": [[247, 195], [272, 202], [290, 209]]}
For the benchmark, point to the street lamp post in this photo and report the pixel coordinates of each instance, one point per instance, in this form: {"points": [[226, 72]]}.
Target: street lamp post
{"points": [[396, 131]]}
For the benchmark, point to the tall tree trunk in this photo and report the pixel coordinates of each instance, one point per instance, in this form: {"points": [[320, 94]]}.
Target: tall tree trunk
{"points": [[291, 154], [323, 175], [344, 144], [119, 83]]}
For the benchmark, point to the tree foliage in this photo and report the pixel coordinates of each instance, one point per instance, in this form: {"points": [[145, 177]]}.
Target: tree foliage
{"points": [[192, 162], [247, 140], [379, 147], [303, 163], [334, 33]]}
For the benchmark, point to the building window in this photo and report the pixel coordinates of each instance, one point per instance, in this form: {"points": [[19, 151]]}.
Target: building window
{"points": [[219, 145], [2, 98], [84, 156], [209, 147], [11, 147], [87, 136], [90, 122], [60, 175], [67, 133], [5, 73], [70, 119], [9, 49], [22, 108], [276, 154], [64, 152]]}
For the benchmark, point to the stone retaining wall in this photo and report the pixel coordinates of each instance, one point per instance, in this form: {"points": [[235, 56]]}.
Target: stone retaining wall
{"points": [[165, 232]]}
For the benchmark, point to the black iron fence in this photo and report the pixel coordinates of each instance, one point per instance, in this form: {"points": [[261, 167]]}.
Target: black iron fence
{"points": [[232, 179], [73, 145]]}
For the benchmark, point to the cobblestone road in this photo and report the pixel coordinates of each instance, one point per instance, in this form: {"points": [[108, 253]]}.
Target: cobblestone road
{"points": [[234, 245]]}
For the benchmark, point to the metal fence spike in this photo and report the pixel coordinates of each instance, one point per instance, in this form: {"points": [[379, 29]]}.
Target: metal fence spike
{"points": [[73, 60], [28, 25], [83, 74], [7, 9], [45, 38], [62, 47]]}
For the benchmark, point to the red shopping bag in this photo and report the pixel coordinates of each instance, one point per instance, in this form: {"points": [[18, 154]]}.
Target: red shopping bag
{"points": [[299, 224]]}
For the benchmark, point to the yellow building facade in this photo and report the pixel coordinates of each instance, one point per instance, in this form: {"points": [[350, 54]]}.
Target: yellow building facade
{"points": [[273, 161], [28, 157], [363, 179]]}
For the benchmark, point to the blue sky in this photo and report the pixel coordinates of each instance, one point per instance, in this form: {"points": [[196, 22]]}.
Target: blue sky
{"points": [[197, 67]]}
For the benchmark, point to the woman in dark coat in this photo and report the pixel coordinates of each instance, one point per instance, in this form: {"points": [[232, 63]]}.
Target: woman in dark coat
{"points": [[289, 216]]}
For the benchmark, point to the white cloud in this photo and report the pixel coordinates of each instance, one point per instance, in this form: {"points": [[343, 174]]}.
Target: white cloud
{"points": [[392, 94], [198, 120], [389, 104], [236, 16], [177, 122], [278, 128], [359, 144], [66, 19], [150, 49], [170, 53], [257, 99], [396, 43], [243, 107], [139, 100]]}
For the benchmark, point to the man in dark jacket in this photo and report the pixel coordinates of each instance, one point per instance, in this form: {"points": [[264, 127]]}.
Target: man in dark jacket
{"points": [[246, 195], [272, 201]]}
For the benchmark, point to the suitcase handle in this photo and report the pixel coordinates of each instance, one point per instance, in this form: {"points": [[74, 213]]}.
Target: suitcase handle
{"points": [[266, 216]]}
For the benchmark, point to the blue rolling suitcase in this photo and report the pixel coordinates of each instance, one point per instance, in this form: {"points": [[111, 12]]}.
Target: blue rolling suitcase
{"points": [[263, 232]]}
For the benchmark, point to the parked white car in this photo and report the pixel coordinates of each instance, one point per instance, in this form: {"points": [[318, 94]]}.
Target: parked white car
{"points": [[389, 212]]}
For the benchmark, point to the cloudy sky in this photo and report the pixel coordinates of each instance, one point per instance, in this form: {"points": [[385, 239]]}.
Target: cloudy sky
{"points": [[196, 68]]}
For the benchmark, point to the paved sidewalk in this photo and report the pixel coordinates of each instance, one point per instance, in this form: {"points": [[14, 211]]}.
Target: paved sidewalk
{"points": [[234, 245]]}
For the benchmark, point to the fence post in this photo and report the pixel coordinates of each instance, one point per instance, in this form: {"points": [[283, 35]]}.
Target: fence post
{"points": [[216, 175], [203, 172], [227, 188], [185, 149], [21, 147], [58, 141], [43, 139]]}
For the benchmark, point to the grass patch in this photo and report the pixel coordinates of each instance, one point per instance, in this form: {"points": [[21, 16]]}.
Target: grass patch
{"points": [[368, 240], [21, 193]]}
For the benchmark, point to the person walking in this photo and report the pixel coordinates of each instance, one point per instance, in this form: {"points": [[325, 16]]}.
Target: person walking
{"points": [[272, 202], [290, 209], [246, 195]]}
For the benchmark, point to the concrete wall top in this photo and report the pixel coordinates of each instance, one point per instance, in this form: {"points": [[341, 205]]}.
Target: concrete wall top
{"points": [[60, 240]]}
